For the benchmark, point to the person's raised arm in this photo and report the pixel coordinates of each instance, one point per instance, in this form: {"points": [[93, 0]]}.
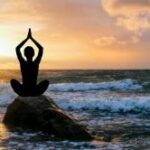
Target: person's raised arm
{"points": [[40, 53], [19, 55]]}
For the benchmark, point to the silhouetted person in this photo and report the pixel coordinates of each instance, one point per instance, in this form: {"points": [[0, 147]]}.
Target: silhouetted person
{"points": [[29, 70]]}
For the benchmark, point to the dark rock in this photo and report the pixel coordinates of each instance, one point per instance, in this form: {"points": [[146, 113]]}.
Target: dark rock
{"points": [[42, 114]]}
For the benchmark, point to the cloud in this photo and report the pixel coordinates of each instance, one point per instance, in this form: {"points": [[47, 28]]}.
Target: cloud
{"points": [[133, 15], [124, 7], [108, 41], [135, 39], [18, 15]]}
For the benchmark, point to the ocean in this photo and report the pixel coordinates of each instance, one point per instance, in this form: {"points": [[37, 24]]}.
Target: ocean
{"points": [[113, 104]]}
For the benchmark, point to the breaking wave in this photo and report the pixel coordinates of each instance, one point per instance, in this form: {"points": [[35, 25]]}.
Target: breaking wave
{"points": [[122, 85], [117, 104], [91, 96]]}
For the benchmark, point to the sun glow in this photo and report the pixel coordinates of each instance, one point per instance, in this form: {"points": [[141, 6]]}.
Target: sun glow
{"points": [[81, 35], [6, 47]]}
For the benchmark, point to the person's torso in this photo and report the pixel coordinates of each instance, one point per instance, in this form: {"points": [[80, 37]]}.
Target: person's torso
{"points": [[29, 72]]}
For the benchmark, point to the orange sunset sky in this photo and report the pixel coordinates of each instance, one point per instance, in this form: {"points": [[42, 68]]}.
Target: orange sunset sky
{"points": [[78, 34]]}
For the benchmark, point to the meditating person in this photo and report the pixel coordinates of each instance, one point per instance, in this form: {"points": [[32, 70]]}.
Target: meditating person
{"points": [[29, 70]]}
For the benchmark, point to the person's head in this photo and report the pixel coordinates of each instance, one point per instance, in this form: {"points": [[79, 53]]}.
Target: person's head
{"points": [[29, 53]]}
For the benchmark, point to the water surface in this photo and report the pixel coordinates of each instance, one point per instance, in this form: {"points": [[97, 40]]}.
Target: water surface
{"points": [[114, 106]]}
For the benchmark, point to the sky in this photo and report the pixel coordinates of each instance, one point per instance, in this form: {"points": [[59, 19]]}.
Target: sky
{"points": [[78, 34]]}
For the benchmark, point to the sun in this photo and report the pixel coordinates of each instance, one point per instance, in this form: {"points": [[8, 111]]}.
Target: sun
{"points": [[7, 42], [6, 47]]}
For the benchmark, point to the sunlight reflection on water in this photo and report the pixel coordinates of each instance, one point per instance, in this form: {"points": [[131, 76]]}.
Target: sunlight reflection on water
{"points": [[4, 133]]}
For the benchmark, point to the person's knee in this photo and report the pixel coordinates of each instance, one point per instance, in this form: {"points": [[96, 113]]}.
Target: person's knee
{"points": [[42, 86], [44, 83], [14, 82]]}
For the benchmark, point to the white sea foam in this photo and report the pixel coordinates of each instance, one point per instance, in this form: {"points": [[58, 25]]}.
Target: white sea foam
{"points": [[105, 101], [90, 96], [112, 105], [123, 85], [6, 94]]}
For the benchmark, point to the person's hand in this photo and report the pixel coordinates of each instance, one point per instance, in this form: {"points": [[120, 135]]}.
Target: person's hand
{"points": [[29, 34]]}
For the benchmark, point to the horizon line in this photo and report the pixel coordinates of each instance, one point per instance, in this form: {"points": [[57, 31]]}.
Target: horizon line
{"points": [[122, 69]]}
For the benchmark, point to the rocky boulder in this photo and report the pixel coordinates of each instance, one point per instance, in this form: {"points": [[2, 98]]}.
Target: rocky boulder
{"points": [[42, 114]]}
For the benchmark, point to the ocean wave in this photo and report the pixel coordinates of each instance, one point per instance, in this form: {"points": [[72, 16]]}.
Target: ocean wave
{"points": [[91, 96], [132, 103], [122, 85], [6, 94]]}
